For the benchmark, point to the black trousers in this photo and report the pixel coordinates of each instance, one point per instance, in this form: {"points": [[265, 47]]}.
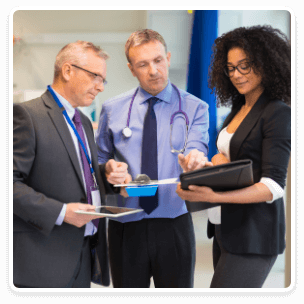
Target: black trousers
{"points": [[160, 248], [238, 270]]}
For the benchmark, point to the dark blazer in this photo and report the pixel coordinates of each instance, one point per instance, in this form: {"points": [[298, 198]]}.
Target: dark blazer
{"points": [[264, 136], [46, 175]]}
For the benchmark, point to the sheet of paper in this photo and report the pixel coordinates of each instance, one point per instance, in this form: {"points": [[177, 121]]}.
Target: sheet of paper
{"points": [[159, 182]]}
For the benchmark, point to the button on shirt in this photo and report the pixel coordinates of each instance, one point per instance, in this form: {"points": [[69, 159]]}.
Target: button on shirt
{"points": [[90, 229], [112, 143]]}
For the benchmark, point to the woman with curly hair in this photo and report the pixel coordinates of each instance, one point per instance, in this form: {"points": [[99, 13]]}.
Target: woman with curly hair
{"points": [[250, 70]]}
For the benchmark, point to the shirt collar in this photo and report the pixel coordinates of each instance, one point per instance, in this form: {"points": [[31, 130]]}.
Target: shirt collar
{"points": [[164, 95], [68, 107]]}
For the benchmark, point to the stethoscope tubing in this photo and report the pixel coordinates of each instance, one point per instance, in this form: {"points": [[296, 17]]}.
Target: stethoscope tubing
{"points": [[130, 108], [180, 111], [127, 132]]}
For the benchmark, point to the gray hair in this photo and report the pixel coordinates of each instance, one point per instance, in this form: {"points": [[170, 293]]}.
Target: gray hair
{"points": [[143, 36], [75, 52]]}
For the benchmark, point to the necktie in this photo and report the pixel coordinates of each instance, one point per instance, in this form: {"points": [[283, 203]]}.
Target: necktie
{"points": [[89, 182], [149, 155]]}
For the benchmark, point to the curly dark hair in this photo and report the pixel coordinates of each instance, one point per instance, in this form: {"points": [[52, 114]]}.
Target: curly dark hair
{"points": [[270, 52]]}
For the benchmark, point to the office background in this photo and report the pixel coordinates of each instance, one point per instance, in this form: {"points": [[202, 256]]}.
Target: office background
{"points": [[40, 34]]}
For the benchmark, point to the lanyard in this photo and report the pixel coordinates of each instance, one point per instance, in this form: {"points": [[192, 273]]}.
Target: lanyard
{"points": [[64, 112]]}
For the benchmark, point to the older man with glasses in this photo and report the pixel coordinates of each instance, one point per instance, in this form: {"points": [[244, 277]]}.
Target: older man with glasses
{"points": [[56, 173]]}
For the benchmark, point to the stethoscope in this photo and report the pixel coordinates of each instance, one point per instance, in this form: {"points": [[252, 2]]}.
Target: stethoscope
{"points": [[127, 132]]}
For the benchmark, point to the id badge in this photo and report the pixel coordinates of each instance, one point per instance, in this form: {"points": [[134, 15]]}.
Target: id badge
{"points": [[95, 194]]}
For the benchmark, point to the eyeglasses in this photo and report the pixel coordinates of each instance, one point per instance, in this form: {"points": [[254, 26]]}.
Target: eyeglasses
{"points": [[244, 68], [97, 77]]}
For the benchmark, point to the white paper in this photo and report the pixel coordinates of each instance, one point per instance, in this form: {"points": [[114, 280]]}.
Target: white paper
{"points": [[159, 182]]}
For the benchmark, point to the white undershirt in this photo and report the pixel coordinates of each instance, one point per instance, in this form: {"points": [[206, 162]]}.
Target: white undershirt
{"points": [[223, 145]]}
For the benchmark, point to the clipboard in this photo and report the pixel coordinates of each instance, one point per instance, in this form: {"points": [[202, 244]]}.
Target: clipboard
{"points": [[230, 176], [149, 188], [151, 183]]}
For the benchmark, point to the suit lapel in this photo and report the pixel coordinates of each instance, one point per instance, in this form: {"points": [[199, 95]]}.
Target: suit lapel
{"points": [[246, 126], [56, 115]]}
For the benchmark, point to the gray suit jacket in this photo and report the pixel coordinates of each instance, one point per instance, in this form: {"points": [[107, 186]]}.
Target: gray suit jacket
{"points": [[46, 175]]}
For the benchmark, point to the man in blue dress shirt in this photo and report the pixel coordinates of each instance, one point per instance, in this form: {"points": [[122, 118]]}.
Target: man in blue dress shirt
{"points": [[161, 243]]}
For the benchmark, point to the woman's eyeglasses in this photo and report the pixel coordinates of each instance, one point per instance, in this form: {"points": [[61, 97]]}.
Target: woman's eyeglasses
{"points": [[243, 68]]}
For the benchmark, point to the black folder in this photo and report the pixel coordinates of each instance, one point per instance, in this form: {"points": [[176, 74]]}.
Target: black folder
{"points": [[230, 176]]}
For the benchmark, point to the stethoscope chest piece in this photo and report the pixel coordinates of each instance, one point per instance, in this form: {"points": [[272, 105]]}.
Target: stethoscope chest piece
{"points": [[127, 132]]}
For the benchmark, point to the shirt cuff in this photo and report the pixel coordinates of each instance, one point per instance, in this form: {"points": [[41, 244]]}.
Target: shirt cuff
{"points": [[276, 190], [61, 216]]}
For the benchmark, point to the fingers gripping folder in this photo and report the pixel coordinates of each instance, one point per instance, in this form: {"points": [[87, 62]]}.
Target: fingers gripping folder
{"points": [[230, 176]]}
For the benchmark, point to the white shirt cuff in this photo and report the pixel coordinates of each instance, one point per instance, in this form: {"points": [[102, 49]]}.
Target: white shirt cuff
{"points": [[61, 216], [274, 188]]}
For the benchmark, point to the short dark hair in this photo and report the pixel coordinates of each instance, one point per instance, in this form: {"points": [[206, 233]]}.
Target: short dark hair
{"points": [[270, 52], [143, 36]]}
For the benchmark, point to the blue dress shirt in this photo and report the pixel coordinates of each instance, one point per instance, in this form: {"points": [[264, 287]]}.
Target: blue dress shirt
{"points": [[111, 143]]}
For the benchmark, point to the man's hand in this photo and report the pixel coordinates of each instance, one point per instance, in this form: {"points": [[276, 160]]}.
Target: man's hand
{"points": [[123, 190], [77, 219], [116, 172], [193, 161]]}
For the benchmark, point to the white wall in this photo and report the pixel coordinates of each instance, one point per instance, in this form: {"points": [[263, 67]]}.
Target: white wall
{"points": [[44, 33], [230, 19]]}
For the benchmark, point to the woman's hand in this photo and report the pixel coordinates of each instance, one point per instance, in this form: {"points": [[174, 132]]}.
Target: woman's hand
{"points": [[219, 159], [197, 194], [193, 161]]}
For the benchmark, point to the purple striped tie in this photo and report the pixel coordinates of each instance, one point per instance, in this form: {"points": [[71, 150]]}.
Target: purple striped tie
{"points": [[86, 168]]}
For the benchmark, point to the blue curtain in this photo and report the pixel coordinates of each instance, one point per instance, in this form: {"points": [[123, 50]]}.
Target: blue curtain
{"points": [[204, 32]]}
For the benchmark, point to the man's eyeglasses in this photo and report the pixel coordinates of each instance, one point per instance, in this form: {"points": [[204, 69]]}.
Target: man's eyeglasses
{"points": [[243, 68], [97, 77]]}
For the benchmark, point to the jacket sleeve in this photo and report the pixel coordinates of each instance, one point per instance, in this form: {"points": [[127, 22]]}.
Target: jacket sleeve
{"points": [[34, 208], [276, 143]]}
